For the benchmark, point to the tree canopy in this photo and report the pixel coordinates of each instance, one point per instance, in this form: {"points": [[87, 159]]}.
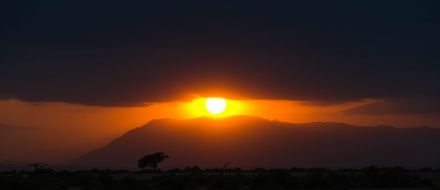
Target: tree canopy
{"points": [[152, 160]]}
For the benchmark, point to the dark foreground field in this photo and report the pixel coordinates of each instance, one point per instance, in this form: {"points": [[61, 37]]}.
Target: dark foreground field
{"points": [[194, 178]]}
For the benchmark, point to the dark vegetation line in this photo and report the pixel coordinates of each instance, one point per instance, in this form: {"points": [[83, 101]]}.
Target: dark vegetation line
{"points": [[151, 177], [196, 178]]}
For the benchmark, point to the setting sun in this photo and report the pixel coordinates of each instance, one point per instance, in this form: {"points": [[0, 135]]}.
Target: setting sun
{"points": [[215, 105]]}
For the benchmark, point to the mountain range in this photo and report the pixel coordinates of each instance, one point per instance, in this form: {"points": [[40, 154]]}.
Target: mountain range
{"points": [[250, 142]]}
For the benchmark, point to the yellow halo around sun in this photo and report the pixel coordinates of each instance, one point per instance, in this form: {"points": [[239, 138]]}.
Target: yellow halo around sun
{"points": [[215, 105]]}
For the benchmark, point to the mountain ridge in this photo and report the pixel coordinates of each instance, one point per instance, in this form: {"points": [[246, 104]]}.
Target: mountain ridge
{"points": [[248, 141]]}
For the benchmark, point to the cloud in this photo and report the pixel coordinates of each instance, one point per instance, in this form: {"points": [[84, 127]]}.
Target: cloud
{"points": [[127, 54], [399, 106]]}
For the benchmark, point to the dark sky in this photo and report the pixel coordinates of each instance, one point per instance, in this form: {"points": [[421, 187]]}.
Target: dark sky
{"points": [[125, 53]]}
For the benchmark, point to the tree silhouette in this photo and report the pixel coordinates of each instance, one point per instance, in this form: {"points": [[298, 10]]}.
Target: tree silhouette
{"points": [[38, 166], [152, 160]]}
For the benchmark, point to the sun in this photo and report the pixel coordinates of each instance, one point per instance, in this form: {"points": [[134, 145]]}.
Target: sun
{"points": [[215, 105]]}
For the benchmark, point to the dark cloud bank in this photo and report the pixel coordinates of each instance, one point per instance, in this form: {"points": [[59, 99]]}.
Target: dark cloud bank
{"points": [[125, 53], [399, 106]]}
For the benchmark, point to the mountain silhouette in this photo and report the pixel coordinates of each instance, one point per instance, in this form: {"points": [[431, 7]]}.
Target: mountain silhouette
{"points": [[249, 142]]}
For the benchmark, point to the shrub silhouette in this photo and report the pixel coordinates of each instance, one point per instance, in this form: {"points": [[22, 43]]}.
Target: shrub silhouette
{"points": [[152, 160]]}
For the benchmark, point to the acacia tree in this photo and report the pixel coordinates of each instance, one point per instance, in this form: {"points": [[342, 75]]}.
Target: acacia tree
{"points": [[152, 160]]}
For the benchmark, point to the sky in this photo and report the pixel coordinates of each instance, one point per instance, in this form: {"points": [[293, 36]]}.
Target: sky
{"points": [[93, 70]]}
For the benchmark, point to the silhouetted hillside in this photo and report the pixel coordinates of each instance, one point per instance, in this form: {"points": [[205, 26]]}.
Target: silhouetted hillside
{"points": [[250, 142]]}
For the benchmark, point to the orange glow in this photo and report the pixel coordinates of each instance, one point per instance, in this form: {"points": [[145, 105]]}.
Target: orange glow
{"points": [[214, 107], [33, 127]]}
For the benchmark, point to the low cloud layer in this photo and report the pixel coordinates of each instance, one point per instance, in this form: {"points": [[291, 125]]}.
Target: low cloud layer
{"points": [[124, 54], [399, 106]]}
